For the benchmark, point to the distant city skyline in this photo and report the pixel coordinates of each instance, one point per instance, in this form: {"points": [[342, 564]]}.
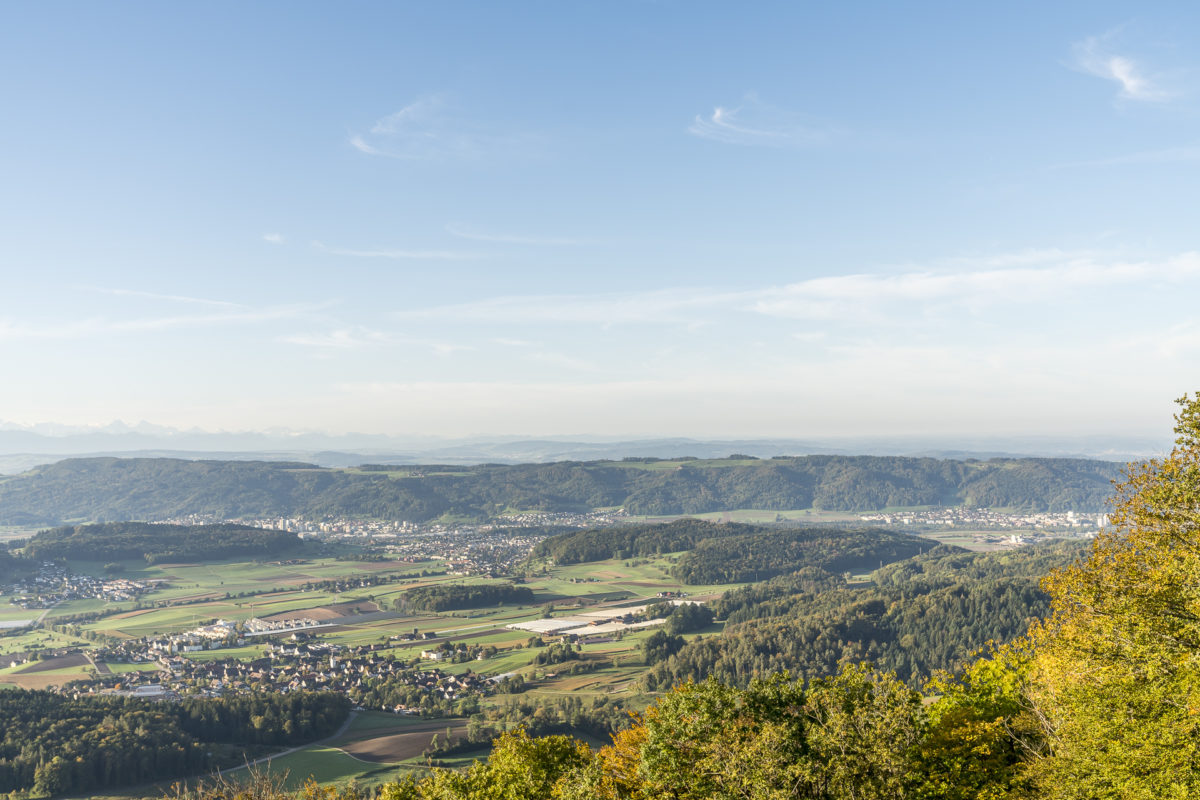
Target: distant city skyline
{"points": [[637, 219]]}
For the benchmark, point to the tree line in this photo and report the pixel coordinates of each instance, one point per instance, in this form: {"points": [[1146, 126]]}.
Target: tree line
{"points": [[456, 596], [53, 744], [634, 541]]}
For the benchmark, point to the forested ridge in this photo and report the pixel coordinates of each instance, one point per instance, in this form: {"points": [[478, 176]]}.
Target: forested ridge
{"points": [[157, 543], [108, 489], [54, 744], [732, 552], [767, 553]]}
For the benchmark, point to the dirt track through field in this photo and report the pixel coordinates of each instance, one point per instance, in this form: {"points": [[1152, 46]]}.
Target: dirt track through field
{"points": [[399, 746]]}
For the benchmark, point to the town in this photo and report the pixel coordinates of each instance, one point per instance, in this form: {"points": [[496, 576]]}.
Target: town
{"points": [[984, 518], [495, 548]]}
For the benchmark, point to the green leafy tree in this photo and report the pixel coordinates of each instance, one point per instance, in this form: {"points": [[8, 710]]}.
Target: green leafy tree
{"points": [[1116, 672], [520, 767], [708, 740], [862, 727], [979, 732]]}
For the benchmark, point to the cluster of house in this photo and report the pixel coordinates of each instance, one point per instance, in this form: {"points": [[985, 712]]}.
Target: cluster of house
{"points": [[53, 584], [493, 548], [214, 636], [984, 518], [290, 667], [466, 550], [570, 519], [262, 627]]}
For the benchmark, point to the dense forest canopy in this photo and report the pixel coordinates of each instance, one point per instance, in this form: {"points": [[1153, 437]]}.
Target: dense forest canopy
{"points": [[767, 553], [452, 597], [917, 616], [12, 567], [54, 744], [106, 489], [158, 543], [635, 541], [732, 552]]}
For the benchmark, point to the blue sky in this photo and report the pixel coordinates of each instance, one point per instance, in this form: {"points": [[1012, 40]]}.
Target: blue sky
{"points": [[626, 218]]}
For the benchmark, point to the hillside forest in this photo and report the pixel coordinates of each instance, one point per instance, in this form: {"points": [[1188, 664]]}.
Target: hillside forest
{"points": [[111, 489]]}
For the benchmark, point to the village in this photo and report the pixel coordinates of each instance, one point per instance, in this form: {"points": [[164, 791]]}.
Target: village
{"points": [[365, 673], [53, 584], [492, 548], [984, 518]]}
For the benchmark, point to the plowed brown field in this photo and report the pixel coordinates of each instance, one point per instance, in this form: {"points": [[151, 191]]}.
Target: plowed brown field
{"points": [[400, 746]]}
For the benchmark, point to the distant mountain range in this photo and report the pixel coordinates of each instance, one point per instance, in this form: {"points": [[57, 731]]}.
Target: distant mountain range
{"points": [[23, 447]]}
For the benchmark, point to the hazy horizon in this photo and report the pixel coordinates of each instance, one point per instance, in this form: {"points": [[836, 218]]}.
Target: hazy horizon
{"points": [[24, 448], [118, 428]]}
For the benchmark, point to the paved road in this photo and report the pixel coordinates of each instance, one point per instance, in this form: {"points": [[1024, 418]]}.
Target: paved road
{"points": [[42, 616]]}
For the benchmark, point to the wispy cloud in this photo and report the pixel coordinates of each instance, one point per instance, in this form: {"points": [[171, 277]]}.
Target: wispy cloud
{"points": [[433, 128], [422, 113], [928, 290], [500, 238], [225, 316], [563, 361], [400, 255], [342, 339], [810, 337], [273, 238], [360, 144], [170, 298], [949, 287], [240, 316], [756, 124], [667, 306], [1095, 56], [358, 338], [1167, 155]]}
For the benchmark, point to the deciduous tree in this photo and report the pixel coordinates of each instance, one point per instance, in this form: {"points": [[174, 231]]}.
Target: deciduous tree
{"points": [[1116, 675]]}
